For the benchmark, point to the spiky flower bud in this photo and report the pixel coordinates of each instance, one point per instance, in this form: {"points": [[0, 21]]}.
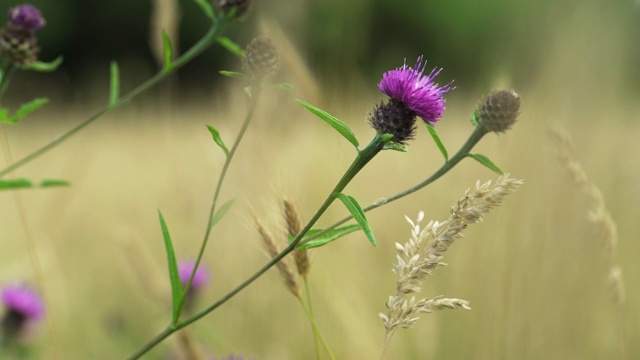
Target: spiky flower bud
{"points": [[225, 6], [498, 111], [18, 42], [261, 58]]}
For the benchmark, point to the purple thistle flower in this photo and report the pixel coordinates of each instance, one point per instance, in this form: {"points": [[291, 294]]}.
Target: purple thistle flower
{"points": [[26, 17], [200, 279], [417, 92], [23, 306]]}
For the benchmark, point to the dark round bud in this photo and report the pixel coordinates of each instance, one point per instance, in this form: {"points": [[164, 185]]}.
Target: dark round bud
{"points": [[498, 111], [225, 6], [394, 118], [18, 46], [261, 58]]}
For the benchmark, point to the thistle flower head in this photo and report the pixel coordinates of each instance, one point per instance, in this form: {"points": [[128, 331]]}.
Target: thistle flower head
{"points": [[225, 6], [26, 17], [499, 110], [261, 58], [200, 279], [22, 305], [411, 94], [419, 93]]}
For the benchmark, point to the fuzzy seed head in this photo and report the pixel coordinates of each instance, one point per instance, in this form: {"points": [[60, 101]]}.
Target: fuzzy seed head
{"points": [[261, 58], [499, 111]]}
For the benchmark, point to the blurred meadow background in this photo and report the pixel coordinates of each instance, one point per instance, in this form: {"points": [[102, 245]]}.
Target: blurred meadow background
{"points": [[534, 270]]}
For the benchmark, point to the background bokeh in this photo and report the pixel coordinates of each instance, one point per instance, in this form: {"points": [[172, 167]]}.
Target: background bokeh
{"points": [[534, 271]]}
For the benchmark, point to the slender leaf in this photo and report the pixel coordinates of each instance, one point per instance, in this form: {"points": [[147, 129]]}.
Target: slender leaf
{"points": [[15, 184], [234, 74], [486, 162], [230, 45], [54, 182], [355, 210], [206, 7], [390, 145], [218, 140], [44, 66], [24, 110], [436, 139], [341, 127], [284, 86], [221, 212], [174, 277], [114, 92], [328, 237], [167, 51]]}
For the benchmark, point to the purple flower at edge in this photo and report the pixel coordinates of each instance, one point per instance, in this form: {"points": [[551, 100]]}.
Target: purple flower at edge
{"points": [[26, 17], [200, 279], [418, 92], [23, 301]]}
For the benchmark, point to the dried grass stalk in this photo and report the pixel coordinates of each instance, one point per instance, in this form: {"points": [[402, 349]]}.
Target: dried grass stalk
{"points": [[283, 266], [294, 225], [599, 216], [422, 254]]}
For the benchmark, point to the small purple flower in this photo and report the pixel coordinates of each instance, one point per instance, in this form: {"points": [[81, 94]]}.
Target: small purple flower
{"points": [[26, 17], [23, 301], [419, 93], [200, 279]]}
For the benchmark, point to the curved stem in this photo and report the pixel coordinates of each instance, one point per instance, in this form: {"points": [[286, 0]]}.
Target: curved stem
{"points": [[205, 42], [464, 150], [364, 156], [256, 91]]}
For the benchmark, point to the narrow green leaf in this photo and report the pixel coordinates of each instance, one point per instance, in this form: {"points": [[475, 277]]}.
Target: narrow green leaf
{"points": [[328, 237], [230, 45], [436, 139], [54, 182], [114, 92], [234, 74], [15, 184], [486, 162], [23, 111], [218, 140], [341, 127], [358, 214], [174, 277], [221, 212], [168, 52], [390, 145], [206, 7], [45, 66], [284, 86]]}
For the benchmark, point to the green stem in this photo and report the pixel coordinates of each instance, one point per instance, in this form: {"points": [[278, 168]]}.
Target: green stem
{"points": [[7, 74], [309, 312], [364, 156], [205, 42], [317, 334], [463, 152], [256, 91]]}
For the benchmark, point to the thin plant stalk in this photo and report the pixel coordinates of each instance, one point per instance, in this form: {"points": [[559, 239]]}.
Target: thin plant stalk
{"points": [[463, 152], [317, 335], [256, 91], [364, 156], [203, 44]]}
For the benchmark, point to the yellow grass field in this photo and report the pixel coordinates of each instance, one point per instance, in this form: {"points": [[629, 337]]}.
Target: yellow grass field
{"points": [[534, 270]]}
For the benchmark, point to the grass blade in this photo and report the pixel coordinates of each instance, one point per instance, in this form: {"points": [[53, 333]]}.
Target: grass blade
{"points": [[486, 162], [176, 286], [340, 127], [355, 210], [114, 92], [167, 51], [221, 212]]}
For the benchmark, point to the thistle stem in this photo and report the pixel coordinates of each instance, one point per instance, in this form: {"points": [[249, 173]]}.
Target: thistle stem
{"points": [[204, 43]]}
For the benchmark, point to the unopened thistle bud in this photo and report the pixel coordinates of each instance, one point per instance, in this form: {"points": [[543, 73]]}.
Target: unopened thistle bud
{"points": [[498, 111], [18, 42], [261, 58], [225, 6], [411, 94]]}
